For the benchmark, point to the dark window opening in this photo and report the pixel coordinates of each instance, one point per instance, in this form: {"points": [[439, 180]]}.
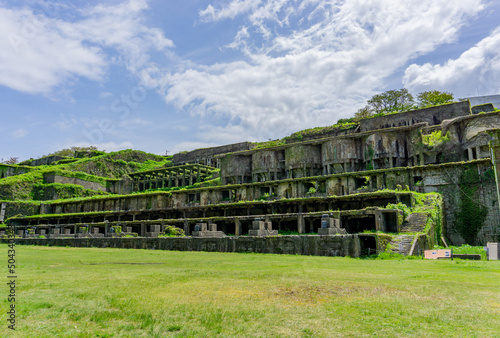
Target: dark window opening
{"points": [[417, 180], [193, 198], [361, 182], [309, 188], [368, 245], [357, 224], [390, 222], [229, 228], [288, 226], [406, 200], [439, 158]]}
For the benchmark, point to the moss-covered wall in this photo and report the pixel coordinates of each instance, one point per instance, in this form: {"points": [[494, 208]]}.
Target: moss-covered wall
{"points": [[16, 208]]}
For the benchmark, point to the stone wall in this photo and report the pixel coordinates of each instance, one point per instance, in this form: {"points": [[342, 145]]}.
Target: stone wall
{"points": [[205, 155], [54, 178], [12, 170], [482, 108], [24, 208], [338, 245], [433, 116], [44, 160]]}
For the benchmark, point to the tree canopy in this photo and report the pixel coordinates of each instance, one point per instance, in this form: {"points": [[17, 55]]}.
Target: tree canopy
{"points": [[391, 101], [401, 100], [434, 97]]}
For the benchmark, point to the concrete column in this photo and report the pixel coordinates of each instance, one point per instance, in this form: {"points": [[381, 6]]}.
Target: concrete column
{"points": [[471, 155], [237, 227], [301, 224], [143, 230], [186, 228], [495, 157]]}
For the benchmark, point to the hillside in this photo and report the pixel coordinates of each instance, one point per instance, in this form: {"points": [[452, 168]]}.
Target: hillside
{"points": [[100, 169]]}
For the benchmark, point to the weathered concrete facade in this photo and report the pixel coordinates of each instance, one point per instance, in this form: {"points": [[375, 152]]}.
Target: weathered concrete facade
{"points": [[205, 156], [9, 170], [291, 187], [339, 245], [50, 177]]}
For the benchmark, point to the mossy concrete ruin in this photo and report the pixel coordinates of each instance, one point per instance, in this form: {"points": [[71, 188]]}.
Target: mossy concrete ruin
{"points": [[399, 174]]}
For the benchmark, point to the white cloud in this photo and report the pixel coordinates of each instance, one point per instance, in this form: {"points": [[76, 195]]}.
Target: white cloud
{"points": [[105, 95], [326, 60], [65, 122], [39, 53], [134, 123], [477, 71], [19, 133], [231, 10], [106, 146]]}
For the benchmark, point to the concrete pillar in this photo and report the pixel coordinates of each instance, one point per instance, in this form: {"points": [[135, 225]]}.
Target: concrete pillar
{"points": [[471, 155], [301, 228], [186, 228], [237, 227], [143, 230], [495, 157]]}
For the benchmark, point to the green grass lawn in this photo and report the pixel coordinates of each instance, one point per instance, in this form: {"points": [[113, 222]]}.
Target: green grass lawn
{"points": [[199, 294]]}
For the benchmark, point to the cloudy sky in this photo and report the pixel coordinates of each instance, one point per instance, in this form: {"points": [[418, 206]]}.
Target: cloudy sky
{"points": [[177, 75]]}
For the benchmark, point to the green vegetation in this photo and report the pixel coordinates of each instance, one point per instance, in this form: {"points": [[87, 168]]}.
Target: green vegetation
{"points": [[42, 192], [101, 169], [172, 231], [398, 101], [472, 214], [342, 124], [434, 98], [71, 292], [268, 144], [465, 250], [435, 139]]}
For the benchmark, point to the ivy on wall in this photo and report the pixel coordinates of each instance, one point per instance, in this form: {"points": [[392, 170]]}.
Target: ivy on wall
{"points": [[472, 214]]}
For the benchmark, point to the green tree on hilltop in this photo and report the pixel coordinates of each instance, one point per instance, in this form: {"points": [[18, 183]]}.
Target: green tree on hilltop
{"points": [[391, 101], [433, 98]]}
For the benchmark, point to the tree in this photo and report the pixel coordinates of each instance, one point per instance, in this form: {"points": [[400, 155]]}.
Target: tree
{"points": [[70, 152], [391, 101], [363, 113], [433, 98], [12, 160]]}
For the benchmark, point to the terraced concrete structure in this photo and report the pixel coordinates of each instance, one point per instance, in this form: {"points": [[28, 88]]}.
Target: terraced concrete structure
{"points": [[399, 182]]}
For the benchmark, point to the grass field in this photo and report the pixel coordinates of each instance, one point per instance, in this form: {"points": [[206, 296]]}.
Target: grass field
{"points": [[75, 292]]}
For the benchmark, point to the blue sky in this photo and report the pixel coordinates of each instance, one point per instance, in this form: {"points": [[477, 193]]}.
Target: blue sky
{"points": [[179, 75]]}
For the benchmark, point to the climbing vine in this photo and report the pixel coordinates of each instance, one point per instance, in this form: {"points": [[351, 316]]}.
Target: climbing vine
{"points": [[471, 215]]}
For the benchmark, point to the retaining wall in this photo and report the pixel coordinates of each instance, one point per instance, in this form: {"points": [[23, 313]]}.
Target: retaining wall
{"points": [[314, 245]]}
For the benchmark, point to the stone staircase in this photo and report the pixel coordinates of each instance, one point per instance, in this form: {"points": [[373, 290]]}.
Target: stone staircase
{"points": [[402, 244], [415, 222]]}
